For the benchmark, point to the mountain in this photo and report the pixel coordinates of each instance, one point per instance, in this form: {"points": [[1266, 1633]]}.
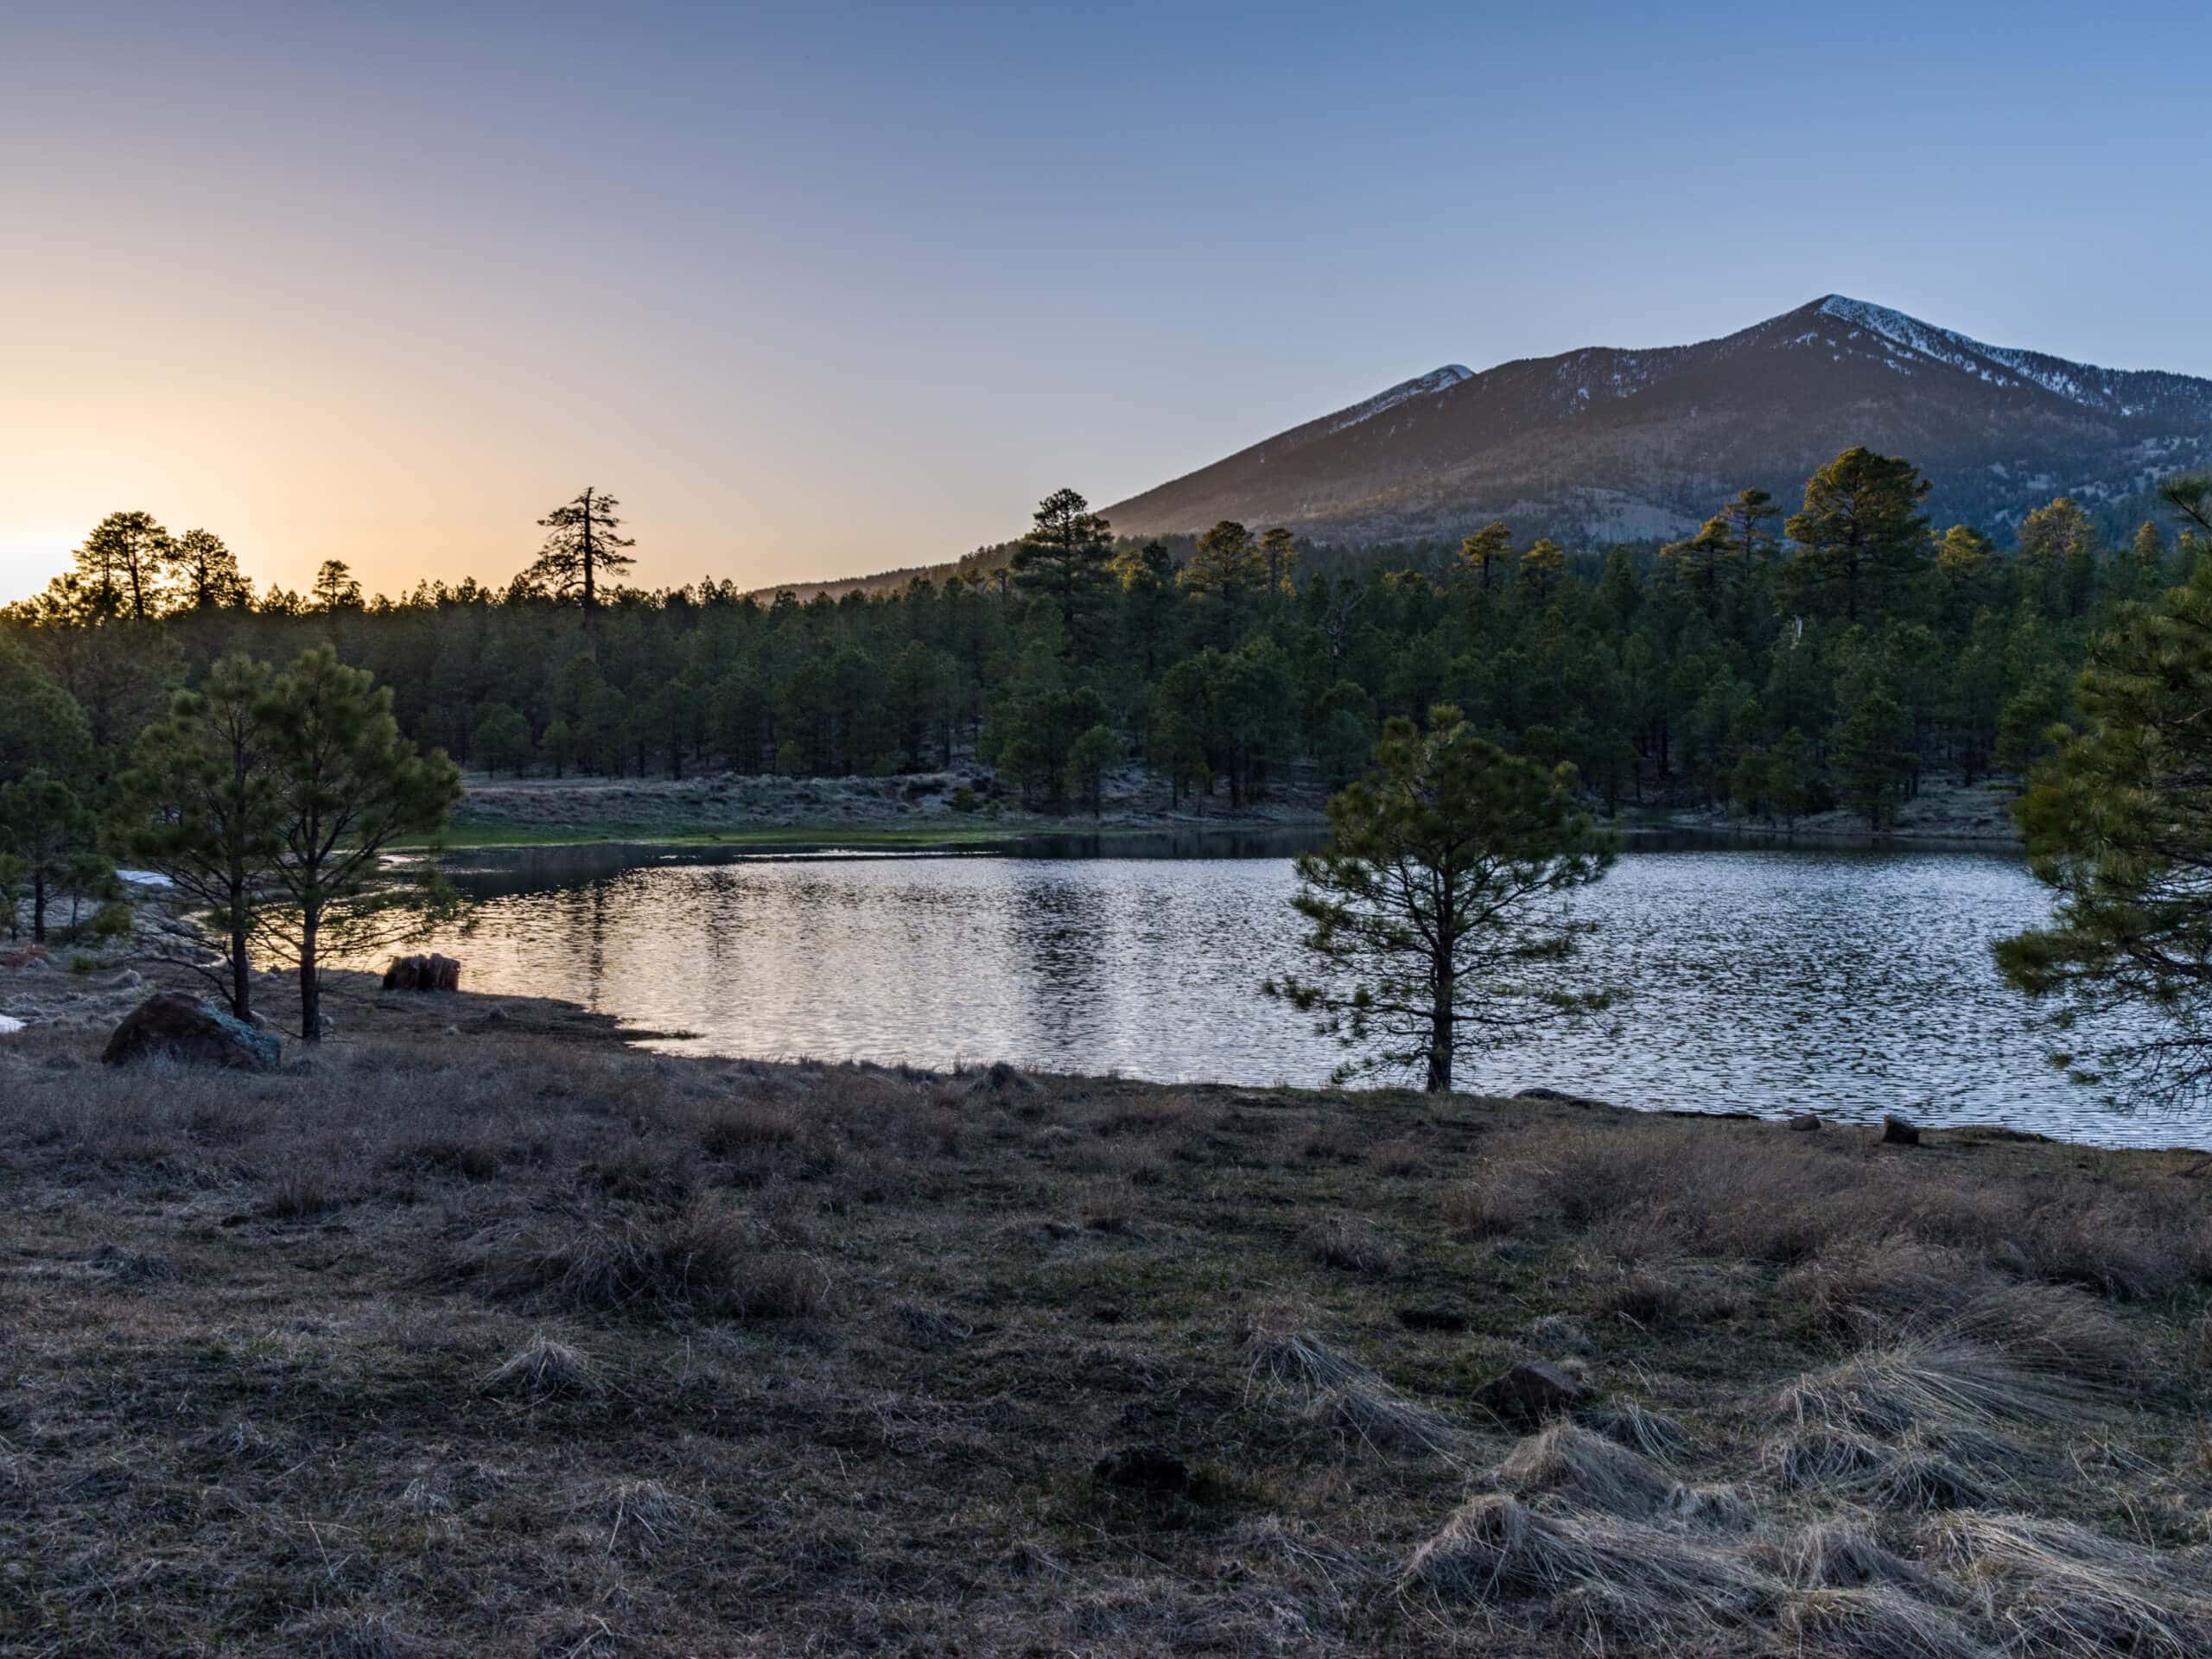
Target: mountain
{"points": [[1606, 444]]}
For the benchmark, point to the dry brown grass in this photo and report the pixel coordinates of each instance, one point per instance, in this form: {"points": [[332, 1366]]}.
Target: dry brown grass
{"points": [[699, 1262], [1355, 1244], [522, 1342]]}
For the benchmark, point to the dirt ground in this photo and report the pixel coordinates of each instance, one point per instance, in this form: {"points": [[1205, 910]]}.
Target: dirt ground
{"points": [[475, 1332]]}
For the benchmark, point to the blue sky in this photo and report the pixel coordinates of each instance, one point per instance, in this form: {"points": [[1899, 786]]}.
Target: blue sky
{"points": [[824, 289]]}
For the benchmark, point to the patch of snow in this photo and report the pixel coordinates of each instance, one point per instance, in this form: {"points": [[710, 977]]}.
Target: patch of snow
{"points": [[1426, 385], [2096, 389], [144, 878], [9, 1024]]}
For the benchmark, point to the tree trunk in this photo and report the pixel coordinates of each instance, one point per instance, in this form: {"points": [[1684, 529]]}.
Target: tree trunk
{"points": [[1439, 1041], [310, 986], [38, 906], [241, 965]]}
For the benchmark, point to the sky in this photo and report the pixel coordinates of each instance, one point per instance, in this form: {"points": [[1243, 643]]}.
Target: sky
{"points": [[826, 289]]}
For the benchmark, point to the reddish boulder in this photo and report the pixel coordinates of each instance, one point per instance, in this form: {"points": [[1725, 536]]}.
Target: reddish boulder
{"points": [[1530, 1391], [427, 973], [177, 1025]]}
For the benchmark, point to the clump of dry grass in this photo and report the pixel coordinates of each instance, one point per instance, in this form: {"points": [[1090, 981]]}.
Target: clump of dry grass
{"points": [[544, 1369], [1399, 1157], [1287, 1360], [1720, 1508], [1920, 1478], [1587, 1470], [1355, 1244], [1642, 1293], [699, 1261], [1842, 1553], [2054, 1328], [2054, 1587], [1863, 1288], [1494, 1549], [1636, 1425], [302, 1189], [640, 1516], [1280, 1352], [1875, 1621], [1490, 1205], [1814, 1456], [748, 1126], [1930, 1381], [1377, 1416]]}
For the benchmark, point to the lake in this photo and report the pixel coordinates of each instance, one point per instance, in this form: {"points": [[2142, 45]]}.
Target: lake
{"points": [[1846, 981]]}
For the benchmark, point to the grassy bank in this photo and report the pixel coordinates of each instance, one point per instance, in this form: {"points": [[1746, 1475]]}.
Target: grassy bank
{"points": [[918, 812], [949, 836], [483, 1334]]}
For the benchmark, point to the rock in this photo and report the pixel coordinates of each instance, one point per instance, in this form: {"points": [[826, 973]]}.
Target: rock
{"points": [[427, 973], [181, 1026], [1145, 1469], [1002, 1076], [1529, 1391], [1805, 1121], [1899, 1132], [1557, 1097]]}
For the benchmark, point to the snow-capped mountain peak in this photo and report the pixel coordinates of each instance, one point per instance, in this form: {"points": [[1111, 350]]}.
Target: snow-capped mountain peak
{"points": [[1608, 443], [2000, 365], [1425, 385]]}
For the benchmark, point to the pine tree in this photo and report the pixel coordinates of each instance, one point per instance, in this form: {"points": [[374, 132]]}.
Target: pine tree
{"points": [[1706, 564], [207, 573], [582, 549], [121, 565], [1064, 555], [1226, 563], [335, 589], [1486, 553], [2119, 824], [1542, 568], [1747, 518], [1433, 916], [1089, 757], [1278, 556], [199, 806], [1874, 758], [44, 825], [1860, 538], [346, 785]]}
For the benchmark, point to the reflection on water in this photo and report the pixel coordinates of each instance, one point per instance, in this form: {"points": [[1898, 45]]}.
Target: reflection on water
{"points": [[1847, 982]]}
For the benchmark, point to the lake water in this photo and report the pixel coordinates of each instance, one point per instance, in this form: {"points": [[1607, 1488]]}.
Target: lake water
{"points": [[1848, 982]]}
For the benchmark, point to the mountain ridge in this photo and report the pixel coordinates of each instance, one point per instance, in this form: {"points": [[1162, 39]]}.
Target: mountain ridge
{"points": [[1628, 443]]}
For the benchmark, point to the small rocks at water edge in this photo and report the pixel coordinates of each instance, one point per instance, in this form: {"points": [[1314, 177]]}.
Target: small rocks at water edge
{"points": [[1899, 1132], [1806, 1120], [175, 1025]]}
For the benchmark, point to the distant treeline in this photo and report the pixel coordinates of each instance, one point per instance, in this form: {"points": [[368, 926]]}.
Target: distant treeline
{"points": [[1778, 661]]}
